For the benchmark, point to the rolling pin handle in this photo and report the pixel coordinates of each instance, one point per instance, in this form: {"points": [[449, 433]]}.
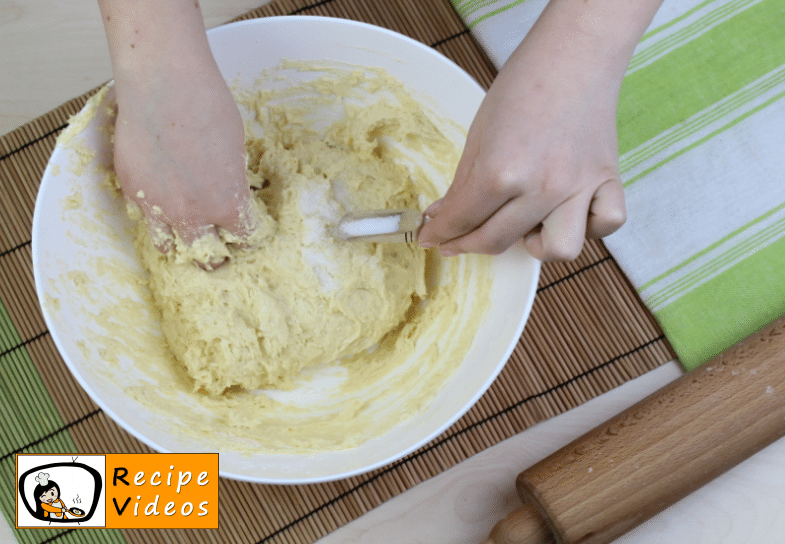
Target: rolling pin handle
{"points": [[522, 526]]}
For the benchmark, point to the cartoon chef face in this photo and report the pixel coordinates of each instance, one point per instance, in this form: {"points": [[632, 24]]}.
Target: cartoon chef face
{"points": [[49, 495]]}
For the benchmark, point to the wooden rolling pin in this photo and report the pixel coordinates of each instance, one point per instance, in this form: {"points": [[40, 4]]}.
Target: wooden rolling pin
{"points": [[658, 451]]}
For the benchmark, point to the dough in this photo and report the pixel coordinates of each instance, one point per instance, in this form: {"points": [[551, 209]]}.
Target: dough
{"points": [[300, 296]]}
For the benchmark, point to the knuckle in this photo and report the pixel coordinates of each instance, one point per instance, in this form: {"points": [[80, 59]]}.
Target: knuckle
{"points": [[562, 250], [617, 217], [607, 217], [504, 179], [605, 225], [615, 220], [500, 181], [608, 171]]}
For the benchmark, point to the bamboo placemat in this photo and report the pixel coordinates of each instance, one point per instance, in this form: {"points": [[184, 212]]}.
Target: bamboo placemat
{"points": [[588, 333]]}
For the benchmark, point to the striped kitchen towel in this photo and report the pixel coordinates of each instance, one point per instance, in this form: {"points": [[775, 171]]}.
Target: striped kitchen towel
{"points": [[701, 122]]}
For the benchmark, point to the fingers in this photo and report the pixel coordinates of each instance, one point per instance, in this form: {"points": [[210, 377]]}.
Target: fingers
{"points": [[201, 244], [466, 206], [204, 247], [607, 212], [495, 235], [240, 227], [558, 238], [198, 239], [561, 236], [160, 233], [467, 202]]}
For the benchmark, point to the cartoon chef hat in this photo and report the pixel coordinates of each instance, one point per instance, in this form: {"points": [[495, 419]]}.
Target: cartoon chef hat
{"points": [[42, 479]]}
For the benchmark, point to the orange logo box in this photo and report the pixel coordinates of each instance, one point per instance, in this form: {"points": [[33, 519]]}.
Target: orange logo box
{"points": [[162, 491]]}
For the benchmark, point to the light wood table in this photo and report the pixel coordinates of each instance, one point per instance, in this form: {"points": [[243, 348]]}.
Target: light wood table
{"points": [[53, 51]]}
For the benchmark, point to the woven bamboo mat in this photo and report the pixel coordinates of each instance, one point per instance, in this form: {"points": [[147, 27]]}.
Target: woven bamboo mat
{"points": [[588, 333]]}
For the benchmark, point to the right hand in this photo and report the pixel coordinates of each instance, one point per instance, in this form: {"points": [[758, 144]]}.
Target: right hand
{"points": [[540, 162], [541, 156]]}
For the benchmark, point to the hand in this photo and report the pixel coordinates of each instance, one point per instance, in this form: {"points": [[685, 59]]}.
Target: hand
{"points": [[541, 157], [179, 139], [540, 162], [180, 155]]}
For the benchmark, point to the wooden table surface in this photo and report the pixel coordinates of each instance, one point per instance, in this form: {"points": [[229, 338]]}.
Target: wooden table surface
{"points": [[53, 51]]}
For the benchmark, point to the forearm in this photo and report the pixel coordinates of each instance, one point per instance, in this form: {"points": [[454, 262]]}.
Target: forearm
{"points": [[597, 36], [149, 39]]}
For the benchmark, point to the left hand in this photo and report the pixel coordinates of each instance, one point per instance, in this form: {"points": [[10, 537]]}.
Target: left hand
{"points": [[180, 155]]}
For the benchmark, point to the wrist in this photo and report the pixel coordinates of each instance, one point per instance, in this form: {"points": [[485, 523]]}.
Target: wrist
{"points": [[164, 74], [151, 40], [593, 36]]}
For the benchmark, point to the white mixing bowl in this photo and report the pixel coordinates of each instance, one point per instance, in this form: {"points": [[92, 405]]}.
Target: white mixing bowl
{"points": [[78, 225]]}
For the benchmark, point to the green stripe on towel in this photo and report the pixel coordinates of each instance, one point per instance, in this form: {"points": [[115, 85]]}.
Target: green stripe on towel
{"points": [[722, 293], [502, 9], [688, 32], [468, 8], [671, 89], [719, 313]]}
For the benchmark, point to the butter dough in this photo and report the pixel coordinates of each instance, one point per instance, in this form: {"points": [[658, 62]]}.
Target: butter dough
{"points": [[300, 296]]}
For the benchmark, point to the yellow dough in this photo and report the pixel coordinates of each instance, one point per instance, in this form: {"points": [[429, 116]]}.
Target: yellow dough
{"points": [[300, 296]]}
